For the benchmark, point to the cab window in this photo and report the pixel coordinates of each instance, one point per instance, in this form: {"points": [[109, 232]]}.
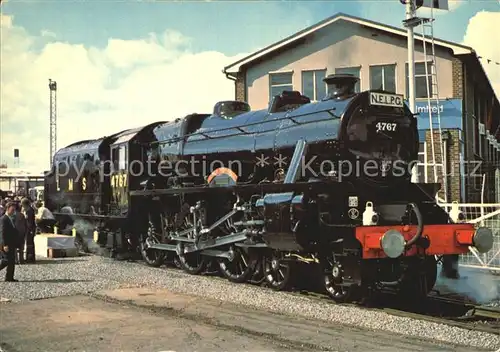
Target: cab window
{"points": [[122, 157]]}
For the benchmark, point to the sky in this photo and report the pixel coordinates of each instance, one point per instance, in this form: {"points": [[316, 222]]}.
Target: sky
{"points": [[123, 64]]}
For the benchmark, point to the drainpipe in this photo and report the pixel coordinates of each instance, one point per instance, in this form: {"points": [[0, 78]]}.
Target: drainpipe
{"points": [[444, 159], [234, 79]]}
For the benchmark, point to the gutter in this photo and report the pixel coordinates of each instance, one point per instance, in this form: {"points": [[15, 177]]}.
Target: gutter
{"points": [[229, 76]]}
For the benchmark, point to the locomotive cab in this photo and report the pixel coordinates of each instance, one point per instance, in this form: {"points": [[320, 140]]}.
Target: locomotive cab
{"points": [[119, 174]]}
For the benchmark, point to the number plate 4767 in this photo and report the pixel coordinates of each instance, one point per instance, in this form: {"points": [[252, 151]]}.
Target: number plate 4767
{"points": [[386, 126]]}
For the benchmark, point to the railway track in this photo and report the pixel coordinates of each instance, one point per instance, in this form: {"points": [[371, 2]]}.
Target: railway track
{"points": [[454, 311], [437, 309]]}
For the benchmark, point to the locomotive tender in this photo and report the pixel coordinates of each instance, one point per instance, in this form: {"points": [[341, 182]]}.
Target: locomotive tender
{"points": [[325, 183]]}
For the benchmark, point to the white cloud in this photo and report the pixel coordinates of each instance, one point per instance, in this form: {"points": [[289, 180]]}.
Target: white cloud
{"points": [[46, 33], [127, 84], [481, 35]]}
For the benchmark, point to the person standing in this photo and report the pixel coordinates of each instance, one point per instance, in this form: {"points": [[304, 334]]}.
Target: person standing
{"points": [[8, 241], [29, 214], [20, 223]]}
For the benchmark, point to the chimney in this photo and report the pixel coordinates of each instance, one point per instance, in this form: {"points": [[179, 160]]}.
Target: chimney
{"points": [[340, 86]]}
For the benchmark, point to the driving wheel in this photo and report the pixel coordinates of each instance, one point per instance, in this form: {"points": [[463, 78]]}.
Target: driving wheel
{"points": [[239, 267], [193, 263], [152, 257]]}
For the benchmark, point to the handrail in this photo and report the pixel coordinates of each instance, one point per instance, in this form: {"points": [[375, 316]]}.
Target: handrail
{"points": [[240, 127]]}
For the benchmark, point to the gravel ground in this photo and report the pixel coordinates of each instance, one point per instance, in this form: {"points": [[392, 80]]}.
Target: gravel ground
{"points": [[87, 274]]}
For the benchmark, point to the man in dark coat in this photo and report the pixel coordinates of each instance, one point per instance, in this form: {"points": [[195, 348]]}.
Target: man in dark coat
{"points": [[8, 241], [29, 214], [21, 226]]}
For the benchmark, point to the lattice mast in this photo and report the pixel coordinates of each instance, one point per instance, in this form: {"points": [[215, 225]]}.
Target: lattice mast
{"points": [[53, 119], [433, 103]]}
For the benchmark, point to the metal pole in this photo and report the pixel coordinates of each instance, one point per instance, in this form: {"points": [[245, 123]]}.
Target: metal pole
{"points": [[410, 13], [53, 119]]}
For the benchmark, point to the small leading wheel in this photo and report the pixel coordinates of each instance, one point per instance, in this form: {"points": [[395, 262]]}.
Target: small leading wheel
{"points": [[277, 273], [333, 277], [152, 257], [193, 263], [420, 279], [240, 267]]}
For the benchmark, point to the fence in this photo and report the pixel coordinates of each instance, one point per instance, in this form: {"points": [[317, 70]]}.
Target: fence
{"points": [[487, 215]]}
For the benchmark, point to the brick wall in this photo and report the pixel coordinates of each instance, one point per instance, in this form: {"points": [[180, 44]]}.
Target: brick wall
{"points": [[240, 89], [452, 153], [458, 79]]}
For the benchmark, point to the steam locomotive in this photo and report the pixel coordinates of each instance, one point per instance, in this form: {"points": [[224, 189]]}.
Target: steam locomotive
{"points": [[326, 184]]}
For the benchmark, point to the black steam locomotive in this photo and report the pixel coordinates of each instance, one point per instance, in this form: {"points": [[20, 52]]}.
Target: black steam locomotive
{"points": [[325, 183]]}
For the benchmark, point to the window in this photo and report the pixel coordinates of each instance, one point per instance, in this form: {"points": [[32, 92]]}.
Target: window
{"points": [[312, 84], [278, 82], [353, 71], [383, 77], [420, 80], [122, 158]]}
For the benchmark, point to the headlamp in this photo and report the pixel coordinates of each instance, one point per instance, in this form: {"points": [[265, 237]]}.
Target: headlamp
{"points": [[393, 243], [483, 239]]}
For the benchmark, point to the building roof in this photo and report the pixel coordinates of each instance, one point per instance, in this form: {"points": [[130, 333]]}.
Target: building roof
{"points": [[457, 49]]}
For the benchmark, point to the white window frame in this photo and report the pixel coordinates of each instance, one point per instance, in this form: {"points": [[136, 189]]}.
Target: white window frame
{"points": [[122, 157], [359, 67], [407, 79], [475, 121], [462, 171], [383, 74], [315, 98], [497, 185], [270, 73]]}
